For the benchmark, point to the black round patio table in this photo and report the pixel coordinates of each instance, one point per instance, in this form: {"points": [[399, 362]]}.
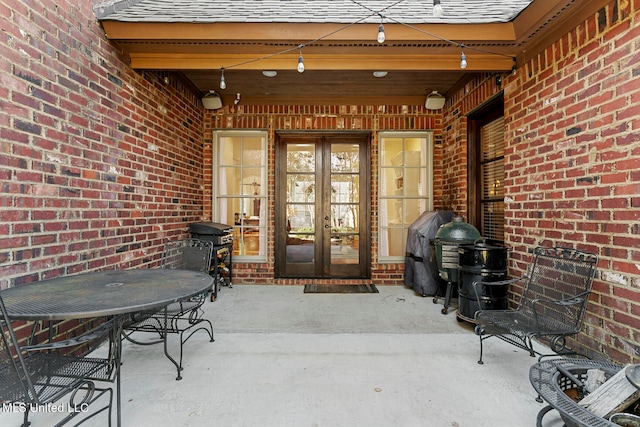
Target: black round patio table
{"points": [[111, 293], [104, 293]]}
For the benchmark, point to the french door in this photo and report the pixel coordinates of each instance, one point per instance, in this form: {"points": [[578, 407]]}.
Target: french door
{"points": [[322, 205]]}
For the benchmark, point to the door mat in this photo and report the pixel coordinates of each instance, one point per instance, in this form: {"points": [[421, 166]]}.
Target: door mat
{"points": [[340, 289]]}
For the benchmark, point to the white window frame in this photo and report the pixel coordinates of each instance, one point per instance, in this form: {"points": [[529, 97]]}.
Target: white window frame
{"points": [[263, 233], [383, 226]]}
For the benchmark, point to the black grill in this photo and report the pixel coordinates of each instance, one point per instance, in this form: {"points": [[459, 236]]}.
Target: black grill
{"points": [[222, 237], [219, 234]]}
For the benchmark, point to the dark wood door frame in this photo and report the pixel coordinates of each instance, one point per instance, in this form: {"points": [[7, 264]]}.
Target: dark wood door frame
{"points": [[476, 119], [324, 270]]}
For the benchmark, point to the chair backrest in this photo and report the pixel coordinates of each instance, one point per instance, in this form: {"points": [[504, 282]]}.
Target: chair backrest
{"points": [[187, 254], [15, 382], [42, 373], [561, 274]]}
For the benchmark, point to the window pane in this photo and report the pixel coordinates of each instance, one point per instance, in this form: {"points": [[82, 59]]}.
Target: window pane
{"points": [[395, 211], [413, 208], [228, 179], [344, 188], [301, 188], [492, 179], [252, 181], [493, 220], [344, 218], [300, 249], [396, 242], [229, 210], [228, 151], [391, 152], [345, 249], [345, 157], [252, 152], [300, 218], [301, 157], [413, 183], [493, 140]]}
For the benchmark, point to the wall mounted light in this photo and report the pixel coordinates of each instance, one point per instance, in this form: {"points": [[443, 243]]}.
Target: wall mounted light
{"points": [[212, 101], [434, 101]]}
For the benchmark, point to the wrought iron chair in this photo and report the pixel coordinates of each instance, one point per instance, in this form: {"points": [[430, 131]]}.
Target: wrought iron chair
{"points": [[33, 376], [182, 317], [552, 306]]}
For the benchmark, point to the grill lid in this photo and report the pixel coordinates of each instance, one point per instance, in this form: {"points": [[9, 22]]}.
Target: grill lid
{"points": [[210, 228], [457, 231]]}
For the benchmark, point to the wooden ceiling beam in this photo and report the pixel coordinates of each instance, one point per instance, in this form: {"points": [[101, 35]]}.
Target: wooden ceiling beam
{"points": [[304, 32], [426, 62]]}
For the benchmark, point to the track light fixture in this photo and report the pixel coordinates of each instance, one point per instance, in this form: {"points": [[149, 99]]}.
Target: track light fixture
{"points": [[381, 36], [437, 8], [300, 60], [223, 83]]}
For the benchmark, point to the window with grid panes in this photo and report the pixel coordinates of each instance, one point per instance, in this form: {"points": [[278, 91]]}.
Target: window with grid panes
{"points": [[492, 177], [405, 188], [240, 193]]}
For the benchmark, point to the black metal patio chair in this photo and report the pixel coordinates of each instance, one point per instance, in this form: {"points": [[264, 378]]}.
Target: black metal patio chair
{"points": [[33, 376], [552, 305], [183, 317]]}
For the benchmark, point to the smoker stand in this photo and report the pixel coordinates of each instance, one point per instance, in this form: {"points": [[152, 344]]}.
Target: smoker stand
{"points": [[221, 268]]}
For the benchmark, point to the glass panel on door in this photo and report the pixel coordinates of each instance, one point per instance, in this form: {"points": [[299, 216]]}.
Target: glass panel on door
{"points": [[345, 200], [300, 203]]}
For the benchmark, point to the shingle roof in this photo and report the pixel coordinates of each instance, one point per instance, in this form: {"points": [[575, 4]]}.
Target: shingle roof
{"points": [[305, 11]]}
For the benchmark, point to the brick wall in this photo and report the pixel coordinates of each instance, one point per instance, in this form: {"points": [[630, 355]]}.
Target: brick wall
{"points": [[572, 161], [99, 164], [330, 118]]}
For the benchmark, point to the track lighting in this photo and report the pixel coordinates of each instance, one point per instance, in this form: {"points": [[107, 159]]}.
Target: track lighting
{"points": [[463, 59], [300, 61], [437, 8], [223, 83], [381, 36]]}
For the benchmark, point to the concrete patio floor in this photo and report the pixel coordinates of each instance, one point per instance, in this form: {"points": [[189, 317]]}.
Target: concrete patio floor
{"points": [[285, 358]]}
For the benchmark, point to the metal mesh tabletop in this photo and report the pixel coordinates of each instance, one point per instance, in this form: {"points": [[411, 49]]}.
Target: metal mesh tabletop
{"points": [[104, 293], [551, 384]]}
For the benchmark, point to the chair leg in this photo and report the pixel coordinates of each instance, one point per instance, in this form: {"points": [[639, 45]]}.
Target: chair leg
{"points": [[478, 332], [25, 422], [529, 345], [177, 365], [209, 331]]}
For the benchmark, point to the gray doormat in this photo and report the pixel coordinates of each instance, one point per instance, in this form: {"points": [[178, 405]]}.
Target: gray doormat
{"points": [[340, 289]]}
